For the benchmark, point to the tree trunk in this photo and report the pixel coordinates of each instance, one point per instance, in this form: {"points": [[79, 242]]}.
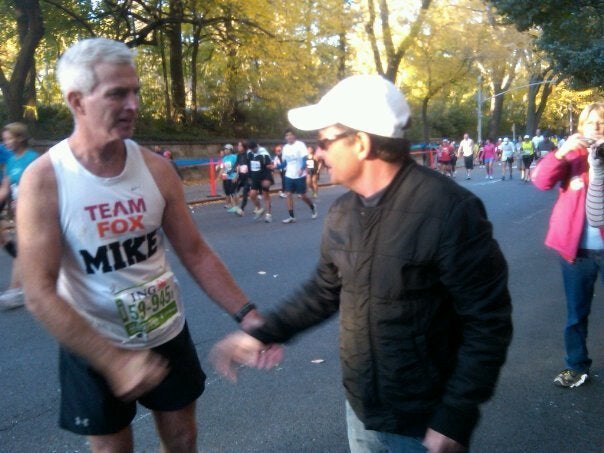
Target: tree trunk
{"points": [[394, 54], [534, 109], [531, 113], [546, 91], [495, 119], [342, 47], [194, 55], [30, 28], [174, 34], [425, 122], [164, 71]]}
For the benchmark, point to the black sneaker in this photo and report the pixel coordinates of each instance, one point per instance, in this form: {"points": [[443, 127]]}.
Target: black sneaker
{"points": [[571, 379]]}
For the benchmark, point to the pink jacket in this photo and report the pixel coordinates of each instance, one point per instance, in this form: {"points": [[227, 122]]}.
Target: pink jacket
{"points": [[568, 215]]}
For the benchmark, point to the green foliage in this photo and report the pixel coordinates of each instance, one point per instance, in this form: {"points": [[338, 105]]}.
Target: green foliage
{"points": [[246, 62], [571, 32], [54, 122]]}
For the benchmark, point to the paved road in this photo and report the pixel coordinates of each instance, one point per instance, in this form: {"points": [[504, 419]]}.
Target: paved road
{"points": [[299, 406]]}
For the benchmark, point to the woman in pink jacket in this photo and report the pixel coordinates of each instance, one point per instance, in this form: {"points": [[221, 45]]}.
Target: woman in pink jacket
{"points": [[581, 246]]}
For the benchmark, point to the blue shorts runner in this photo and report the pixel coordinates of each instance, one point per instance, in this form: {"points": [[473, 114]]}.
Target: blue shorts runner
{"points": [[88, 406], [295, 185]]}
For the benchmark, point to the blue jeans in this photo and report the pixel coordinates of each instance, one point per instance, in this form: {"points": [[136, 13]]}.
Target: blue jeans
{"points": [[362, 440], [579, 280]]}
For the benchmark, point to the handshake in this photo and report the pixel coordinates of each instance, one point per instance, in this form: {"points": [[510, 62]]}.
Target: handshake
{"points": [[240, 349]]}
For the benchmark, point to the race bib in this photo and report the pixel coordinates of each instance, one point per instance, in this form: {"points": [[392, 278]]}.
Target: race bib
{"points": [[310, 164], [243, 168], [146, 308], [255, 165]]}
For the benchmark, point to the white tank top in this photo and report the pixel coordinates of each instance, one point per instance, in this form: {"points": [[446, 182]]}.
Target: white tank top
{"points": [[114, 269]]}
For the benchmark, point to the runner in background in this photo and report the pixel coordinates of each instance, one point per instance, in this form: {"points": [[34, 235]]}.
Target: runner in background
{"points": [[294, 153], [15, 138], [313, 167]]}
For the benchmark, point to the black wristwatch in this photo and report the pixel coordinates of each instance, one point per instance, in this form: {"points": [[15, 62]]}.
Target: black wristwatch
{"points": [[243, 311]]}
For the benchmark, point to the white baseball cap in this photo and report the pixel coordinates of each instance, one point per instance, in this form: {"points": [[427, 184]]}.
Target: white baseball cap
{"points": [[367, 103]]}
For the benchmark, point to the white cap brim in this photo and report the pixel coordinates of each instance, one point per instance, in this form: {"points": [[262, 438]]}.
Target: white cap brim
{"points": [[311, 118]]}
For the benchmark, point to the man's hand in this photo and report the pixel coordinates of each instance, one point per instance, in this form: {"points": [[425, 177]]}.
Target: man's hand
{"points": [[436, 442], [133, 373], [241, 348]]}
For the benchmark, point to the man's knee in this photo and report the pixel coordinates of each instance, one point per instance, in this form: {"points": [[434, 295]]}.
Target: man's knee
{"points": [[111, 443], [177, 429], [182, 438]]}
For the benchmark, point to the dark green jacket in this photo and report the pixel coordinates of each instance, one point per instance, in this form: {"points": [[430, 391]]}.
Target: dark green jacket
{"points": [[425, 313]]}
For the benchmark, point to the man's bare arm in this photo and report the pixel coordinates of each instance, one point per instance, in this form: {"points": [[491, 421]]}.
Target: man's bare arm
{"points": [[197, 256]]}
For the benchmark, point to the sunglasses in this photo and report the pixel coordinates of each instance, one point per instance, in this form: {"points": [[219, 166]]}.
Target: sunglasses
{"points": [[325, 143]]}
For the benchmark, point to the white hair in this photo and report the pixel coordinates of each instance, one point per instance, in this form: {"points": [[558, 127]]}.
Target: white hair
{"points": [[75, 69]]}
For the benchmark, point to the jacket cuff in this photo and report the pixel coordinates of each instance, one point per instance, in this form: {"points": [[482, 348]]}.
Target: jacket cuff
{"points": [[455, 424], [260, 335]]}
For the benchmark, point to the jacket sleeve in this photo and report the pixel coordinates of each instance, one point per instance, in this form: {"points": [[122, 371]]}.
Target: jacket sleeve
{"points": [[549, 172], [316, 301], [594, 205], [475, 273]]}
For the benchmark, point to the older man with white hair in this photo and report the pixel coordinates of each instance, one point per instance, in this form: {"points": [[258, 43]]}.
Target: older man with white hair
{"points": [[92, 216]]}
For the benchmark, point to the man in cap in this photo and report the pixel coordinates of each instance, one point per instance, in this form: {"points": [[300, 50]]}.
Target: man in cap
{"points": [[261, 178], [228, 174], [408, 259], [507, 157]]}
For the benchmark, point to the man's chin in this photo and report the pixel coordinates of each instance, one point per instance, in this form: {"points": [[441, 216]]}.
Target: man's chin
{"points": [[125, 132]]}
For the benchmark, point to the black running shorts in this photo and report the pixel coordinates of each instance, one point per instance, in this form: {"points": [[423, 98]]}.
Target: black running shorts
{"points": [[88, 406]]}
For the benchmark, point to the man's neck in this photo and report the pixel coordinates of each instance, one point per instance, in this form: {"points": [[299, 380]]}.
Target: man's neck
{"points": [[376, 176], [101, 158]]}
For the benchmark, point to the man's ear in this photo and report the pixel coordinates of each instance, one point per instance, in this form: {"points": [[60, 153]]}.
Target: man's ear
{"points": [[363, 143], [74, 101]]}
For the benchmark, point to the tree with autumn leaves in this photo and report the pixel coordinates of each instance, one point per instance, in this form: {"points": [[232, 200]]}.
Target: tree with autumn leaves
{"points": [[234, 67]]}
